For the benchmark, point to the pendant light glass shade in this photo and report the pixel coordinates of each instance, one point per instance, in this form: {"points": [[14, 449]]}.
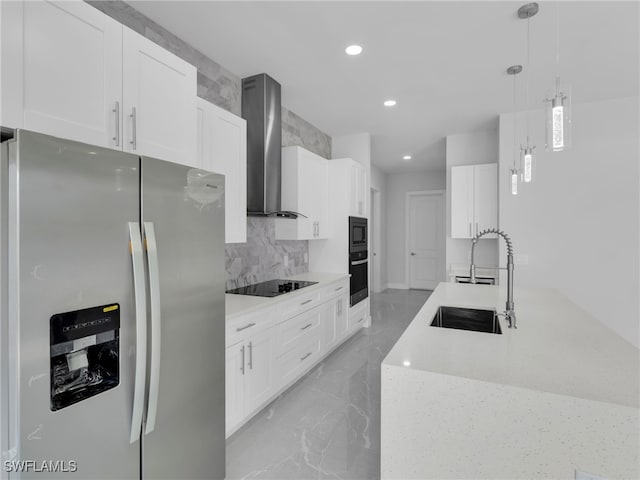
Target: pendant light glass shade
{"points": [[558, 118], [514, 181], [527, 160]]}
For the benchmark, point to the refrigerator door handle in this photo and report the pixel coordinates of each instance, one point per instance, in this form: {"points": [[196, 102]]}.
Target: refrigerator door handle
{"points": [[139, 287], [156, 332]]}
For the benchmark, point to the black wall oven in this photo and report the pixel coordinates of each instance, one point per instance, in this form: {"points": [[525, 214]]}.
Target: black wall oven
{"points": [[358, 259]]}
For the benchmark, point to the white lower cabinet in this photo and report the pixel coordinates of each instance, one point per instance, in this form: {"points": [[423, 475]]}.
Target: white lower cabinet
{"points": [[249, 376], [335, 321], [271, 349], [358, 315]]}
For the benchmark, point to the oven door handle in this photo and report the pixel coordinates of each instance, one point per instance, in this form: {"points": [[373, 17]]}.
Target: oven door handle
{"points": [[360, 262]]}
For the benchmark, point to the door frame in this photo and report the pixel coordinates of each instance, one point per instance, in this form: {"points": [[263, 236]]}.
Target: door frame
{"points": [[407, 267], [375, 239]]}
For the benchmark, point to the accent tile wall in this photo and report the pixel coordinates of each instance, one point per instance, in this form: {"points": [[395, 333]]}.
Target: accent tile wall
{"points": [[261, 258]]}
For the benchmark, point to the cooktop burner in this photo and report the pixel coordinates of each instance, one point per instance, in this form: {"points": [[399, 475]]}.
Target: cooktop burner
{"points": [[272, 288]]}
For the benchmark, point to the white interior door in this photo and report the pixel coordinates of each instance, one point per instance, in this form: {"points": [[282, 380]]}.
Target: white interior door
{"points": [[425, 229]]}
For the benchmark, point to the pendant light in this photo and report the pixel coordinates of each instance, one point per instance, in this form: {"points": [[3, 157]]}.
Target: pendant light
{"points": [[513, 172], [527, 157], [558, 105]]}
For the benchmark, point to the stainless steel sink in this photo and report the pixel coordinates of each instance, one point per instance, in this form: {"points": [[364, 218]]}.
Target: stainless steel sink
{"points": [[467, 319]]}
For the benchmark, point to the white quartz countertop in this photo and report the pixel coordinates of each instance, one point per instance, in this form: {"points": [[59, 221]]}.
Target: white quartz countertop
{"points": [[242, 304], [557, 347]]}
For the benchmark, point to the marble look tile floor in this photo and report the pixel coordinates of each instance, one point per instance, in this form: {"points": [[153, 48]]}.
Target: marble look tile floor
{"points": [[327, 425]]}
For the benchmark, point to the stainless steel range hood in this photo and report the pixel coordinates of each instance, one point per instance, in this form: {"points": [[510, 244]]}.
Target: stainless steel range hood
{"points": [[261, 109]]}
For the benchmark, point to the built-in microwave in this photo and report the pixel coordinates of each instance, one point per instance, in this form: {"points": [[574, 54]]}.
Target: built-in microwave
{"points": [[357, 234]]}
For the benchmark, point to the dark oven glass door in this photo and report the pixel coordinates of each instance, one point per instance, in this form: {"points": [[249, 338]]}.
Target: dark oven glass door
{"points": [[359, 280]]}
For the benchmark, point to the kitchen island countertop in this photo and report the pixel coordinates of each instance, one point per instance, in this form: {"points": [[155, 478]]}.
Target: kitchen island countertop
{"points": [[557, 395]]}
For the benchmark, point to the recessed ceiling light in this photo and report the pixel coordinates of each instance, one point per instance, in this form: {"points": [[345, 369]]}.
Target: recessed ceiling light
{"points": [[353, 50], [407, 157], [406, 363], [389, 103]]}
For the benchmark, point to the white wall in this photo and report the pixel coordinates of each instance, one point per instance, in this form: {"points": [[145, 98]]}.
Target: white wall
{"points": [[469, 149], [356, 146], [379, 182], [578, 222], [398, 184]]}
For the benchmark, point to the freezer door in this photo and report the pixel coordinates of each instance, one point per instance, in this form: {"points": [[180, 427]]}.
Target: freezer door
{"points": [[183, 214], [71, 315]]}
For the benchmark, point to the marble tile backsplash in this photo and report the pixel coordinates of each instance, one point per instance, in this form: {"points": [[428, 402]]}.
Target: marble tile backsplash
{"points": [[262, 257]]}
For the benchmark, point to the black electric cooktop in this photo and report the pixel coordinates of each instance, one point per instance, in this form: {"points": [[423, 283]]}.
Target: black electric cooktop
{"points": [[272, 288]]}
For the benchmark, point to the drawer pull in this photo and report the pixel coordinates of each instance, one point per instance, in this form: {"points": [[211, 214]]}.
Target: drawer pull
{"points": [[306, 326], [361, 318], [305, 357], [239, 329], [339, 288], [307, 301]]}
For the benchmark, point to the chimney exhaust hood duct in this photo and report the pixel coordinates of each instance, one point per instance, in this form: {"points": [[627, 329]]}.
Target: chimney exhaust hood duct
{"points": [[261, 109]]}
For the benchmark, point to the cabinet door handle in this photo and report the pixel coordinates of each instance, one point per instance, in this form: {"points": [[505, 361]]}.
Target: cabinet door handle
{"points": [[239, 329], [134, 140], [470, 230], [477, 228], [116, 137], [250, 355], [339, 307], [318, 229], [242, 364], [339, 288], [306, 326], [307, 301], [305, 357]]}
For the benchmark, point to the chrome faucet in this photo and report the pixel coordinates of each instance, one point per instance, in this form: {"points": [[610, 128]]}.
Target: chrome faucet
{"points": [[509, 313]]}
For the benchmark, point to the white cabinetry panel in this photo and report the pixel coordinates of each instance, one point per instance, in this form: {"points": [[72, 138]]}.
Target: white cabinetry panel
{"points": [[159, 98], [65, 70], [71, 71], [474, 199], [222, 148], [305, 190]]}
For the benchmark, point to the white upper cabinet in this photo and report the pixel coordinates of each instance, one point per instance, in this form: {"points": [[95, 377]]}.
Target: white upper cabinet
{"points": [[359, 189], [71, 71], [159, 101], [474, 199], [222, 148], [485, 197], [305, 190], [62, 70]]}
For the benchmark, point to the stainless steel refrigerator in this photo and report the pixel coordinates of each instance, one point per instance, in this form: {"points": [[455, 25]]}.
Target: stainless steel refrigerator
{"points": [[112, 303]]}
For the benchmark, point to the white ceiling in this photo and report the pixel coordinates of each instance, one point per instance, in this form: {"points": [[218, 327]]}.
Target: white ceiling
{"points": [[444, 62]]}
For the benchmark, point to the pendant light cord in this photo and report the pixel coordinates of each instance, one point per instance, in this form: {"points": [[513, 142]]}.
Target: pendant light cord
{"points": [[557, 37], [515, 152], [528, 74]]}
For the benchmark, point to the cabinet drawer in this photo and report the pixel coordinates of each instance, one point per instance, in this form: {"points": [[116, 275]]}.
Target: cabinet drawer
{"points": [[298, 329], [335, 289], [299, 304], [298, 360], [243, 327], [357, 317]]}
